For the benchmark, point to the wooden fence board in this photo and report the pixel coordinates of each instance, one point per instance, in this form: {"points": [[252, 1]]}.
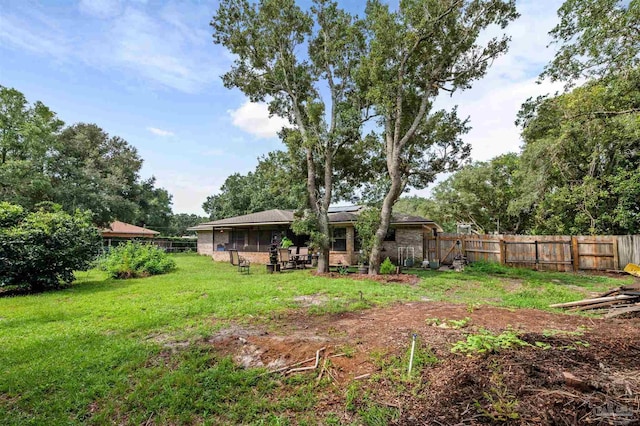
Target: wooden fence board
{"points": [[542, 252], [628, 250]]}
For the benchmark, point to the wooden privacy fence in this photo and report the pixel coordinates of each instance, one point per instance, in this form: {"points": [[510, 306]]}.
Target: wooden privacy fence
{"points": [[542, 252]]}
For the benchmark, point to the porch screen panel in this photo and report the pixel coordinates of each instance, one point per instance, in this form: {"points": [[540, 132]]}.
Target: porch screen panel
{"points": [[254, 237], [238, 239], [265, 240]]}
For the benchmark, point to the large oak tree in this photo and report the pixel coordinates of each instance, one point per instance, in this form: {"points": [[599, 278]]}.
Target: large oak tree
{"points": [[420, 51], [301, 63]]}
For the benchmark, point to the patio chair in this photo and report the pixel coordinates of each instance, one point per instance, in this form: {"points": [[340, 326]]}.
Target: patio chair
{"points": [[303, 257], [285, 257], [239, 261]]}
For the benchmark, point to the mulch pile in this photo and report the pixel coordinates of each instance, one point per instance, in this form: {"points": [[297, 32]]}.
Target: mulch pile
{"points": [[577, 370]]}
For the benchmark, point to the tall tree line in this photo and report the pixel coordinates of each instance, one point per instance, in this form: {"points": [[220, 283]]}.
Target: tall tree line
{"points": [[78, 167]]}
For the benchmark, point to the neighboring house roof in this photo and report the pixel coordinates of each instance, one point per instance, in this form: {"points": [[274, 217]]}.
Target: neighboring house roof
{"points": [[347, 214], [121, 228]]}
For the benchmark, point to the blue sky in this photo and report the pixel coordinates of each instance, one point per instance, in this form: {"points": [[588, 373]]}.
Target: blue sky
{"points": [[147, 70]]}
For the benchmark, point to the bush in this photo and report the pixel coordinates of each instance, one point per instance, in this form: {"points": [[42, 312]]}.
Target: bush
{"points": [[387, 267], [41, 249], [134, 259]]}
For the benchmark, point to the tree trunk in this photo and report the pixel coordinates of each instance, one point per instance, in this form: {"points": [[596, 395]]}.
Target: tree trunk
{"points": [[385, 219], [323, 259]]}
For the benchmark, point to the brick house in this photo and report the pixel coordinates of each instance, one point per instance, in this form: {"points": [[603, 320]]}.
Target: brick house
{"points": [[251, 235]]}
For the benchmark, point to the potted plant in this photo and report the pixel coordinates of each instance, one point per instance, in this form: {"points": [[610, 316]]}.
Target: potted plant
{"points": [[286, 242]]}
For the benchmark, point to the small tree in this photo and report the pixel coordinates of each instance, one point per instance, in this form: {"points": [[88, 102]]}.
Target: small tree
{"points": [[41, 249]]}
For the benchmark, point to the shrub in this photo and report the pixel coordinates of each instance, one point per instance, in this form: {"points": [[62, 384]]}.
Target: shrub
{"points": [[41, 249], [387, 267], [134, 259]]}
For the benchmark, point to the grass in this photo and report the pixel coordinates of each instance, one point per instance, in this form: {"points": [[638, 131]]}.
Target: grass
{"points": [[100, 351], [494, 284]]}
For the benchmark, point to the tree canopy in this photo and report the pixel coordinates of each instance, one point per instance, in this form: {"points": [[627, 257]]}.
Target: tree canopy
{"points": [[78, 167], [289, 57], [274, 184], [595, 39], [416, 53]]}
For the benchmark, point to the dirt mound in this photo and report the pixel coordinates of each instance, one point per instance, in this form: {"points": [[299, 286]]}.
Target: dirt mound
{"points": [[572, 369]]}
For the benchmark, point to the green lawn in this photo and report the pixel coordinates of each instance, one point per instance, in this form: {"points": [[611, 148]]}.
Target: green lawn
{"points": [[93, 353]]}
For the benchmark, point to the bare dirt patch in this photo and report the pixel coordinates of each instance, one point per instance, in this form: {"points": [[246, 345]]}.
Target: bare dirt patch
{"points": [[529, 385]]}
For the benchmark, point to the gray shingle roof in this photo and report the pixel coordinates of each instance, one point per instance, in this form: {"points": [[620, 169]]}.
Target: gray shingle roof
{"points": [[276, 216]]}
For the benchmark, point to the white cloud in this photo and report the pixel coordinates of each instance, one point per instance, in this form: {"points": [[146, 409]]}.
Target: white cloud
{"points": [[167, 47], [101, 8], [160, 132], [43, 38], [494, 101], [254, 118]]}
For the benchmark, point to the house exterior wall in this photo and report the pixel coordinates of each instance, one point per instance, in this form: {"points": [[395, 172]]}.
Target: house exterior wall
{"points": [[205, 242], [208, 242], [405, 237], [252, 256]]}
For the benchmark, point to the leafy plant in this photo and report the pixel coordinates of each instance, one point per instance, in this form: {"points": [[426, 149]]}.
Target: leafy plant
{"points": [[366, 225], [484, 341], [286, 242], [41, 249], [461, 323], [134, 259], [387, 267]]}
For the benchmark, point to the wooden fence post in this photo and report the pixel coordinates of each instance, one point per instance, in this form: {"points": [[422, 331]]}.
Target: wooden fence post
{"points": [[616, 260], [503, 252], [575, 254]]}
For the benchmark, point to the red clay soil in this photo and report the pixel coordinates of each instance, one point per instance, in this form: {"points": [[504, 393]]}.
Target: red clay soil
{"points": [[588, 373]]}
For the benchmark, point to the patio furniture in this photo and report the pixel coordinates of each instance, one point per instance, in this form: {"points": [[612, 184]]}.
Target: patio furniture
{"points": [[303, 257], [285, 257], [239, 261]]}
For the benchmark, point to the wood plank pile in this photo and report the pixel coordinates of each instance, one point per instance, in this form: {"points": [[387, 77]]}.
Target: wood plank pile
{"points": [[618, 301]]}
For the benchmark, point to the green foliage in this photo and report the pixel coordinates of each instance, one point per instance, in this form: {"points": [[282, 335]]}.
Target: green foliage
{"points": [[180, 222], [133, 259], [485, 341], [387, 267], [286, 242], [502, 404], [41, 249], [596, 38], [78, 167], [580, 159], [366, 225], [477, 194], [276, 183]]}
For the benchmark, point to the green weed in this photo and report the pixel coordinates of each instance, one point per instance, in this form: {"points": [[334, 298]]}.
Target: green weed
{"points": [[484, 341]]}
